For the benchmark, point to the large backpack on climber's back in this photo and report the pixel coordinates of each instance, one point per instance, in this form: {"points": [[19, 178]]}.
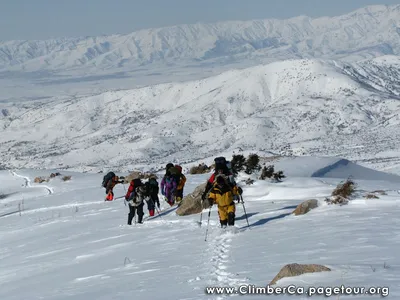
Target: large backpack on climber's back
{"points": [[175, 174], [137, 182], [179, 168], [107, 178], [152, 186], [174, 170]]}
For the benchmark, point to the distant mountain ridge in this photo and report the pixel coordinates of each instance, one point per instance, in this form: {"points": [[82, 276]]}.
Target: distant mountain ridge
{"points": [[363, 34]]}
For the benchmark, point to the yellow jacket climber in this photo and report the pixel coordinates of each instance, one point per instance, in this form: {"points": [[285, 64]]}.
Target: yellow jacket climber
{"points": [[223, 194]]}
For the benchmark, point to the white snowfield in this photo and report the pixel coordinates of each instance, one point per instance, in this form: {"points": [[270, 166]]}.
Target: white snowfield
{"points": [[70, 244], [318, 107]]}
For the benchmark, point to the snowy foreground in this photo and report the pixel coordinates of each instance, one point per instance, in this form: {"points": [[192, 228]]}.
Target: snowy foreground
{"points": [[67, 243]]}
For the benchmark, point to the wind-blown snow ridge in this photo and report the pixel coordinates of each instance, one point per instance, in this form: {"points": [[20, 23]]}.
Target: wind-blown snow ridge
{"points": [[318, 107], [364, 33]]}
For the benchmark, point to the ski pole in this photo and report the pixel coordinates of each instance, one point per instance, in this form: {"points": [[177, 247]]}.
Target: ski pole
{"points": [[155, 206], [244, 208], [125, 194], [208, 222], [201, 213]]}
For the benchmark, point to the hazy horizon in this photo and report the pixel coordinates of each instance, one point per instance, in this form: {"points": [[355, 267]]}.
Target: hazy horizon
{"points": [[46, 19]]}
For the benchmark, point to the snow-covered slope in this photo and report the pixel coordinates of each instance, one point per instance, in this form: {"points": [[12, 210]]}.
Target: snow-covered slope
{"points": [[70, 244], [326, 107], [329, 167], [365, 33]]}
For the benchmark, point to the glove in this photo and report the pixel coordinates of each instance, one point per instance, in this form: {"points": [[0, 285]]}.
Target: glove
{"points": [[203, 197], [158, 204], [211, 202], [237, 198], [240, 191], [126, 198]]}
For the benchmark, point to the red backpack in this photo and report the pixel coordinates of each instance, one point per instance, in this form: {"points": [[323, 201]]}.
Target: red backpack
{"points": [[179, 168]]}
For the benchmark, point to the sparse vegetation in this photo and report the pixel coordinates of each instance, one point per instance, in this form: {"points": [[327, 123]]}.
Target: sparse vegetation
{"points": [[200, 169], [66, 178], [269, 172], [41, 179], [342, 193], [249, 181], [238, 163], [252, 164]]}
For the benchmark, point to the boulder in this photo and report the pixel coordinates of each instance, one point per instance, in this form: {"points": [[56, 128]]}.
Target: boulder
{"points": [[133, 175], [305, 207], [291, 270], [192, 203]]}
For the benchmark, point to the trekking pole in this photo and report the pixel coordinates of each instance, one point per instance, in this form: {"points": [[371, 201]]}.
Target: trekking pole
{"points": [[155, 206], [208, 222], [125, 194], [201, 214], [244, 208]]}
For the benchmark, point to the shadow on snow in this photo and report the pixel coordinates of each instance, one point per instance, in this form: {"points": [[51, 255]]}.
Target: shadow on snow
{"points": [[266, 220]]}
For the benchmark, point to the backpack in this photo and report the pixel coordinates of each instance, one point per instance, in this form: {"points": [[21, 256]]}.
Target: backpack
{"points": [[137, 182], [138, 195], [174, 171], [179, 168], [152, 186], [175, 174], [107, 178]]}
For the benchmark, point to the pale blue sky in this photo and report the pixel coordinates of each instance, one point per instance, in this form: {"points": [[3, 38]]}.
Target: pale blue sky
{"points": [[41, 19]]}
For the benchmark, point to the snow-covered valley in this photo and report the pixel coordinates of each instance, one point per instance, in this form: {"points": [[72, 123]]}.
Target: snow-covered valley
{"points": [[315, 107], [70, 244]]}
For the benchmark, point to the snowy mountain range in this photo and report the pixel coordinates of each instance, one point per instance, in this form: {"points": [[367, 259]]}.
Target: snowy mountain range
{"points": [[363, 34], [317, 107]]}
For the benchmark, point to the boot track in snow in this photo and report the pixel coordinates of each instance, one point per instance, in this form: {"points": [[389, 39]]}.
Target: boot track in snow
{"points": [[219, 247], [29, 185]]}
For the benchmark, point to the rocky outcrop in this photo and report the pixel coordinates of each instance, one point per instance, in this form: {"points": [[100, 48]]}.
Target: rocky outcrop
{"points": [[132, 175], [191, 203], [305, 207], [291, 270]]}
